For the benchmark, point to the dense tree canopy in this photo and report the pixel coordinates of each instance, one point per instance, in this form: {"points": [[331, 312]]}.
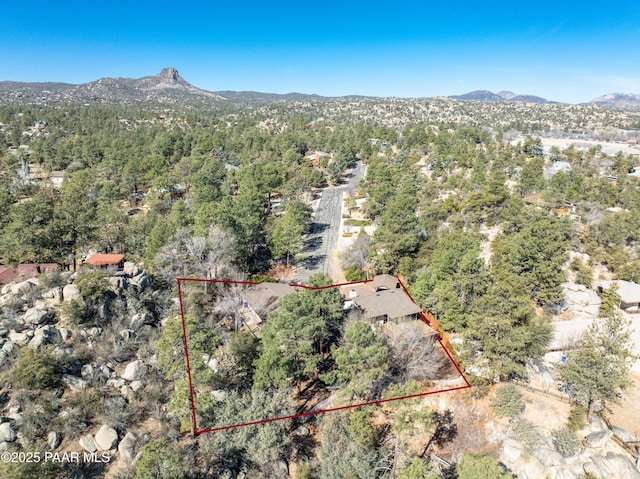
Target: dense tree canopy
{"points": [[294, 336], [361, 360], [225, 192]]}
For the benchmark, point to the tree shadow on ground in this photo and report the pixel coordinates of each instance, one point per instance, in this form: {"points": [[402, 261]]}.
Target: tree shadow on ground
{"points": [[311, 262], [317, 228]]}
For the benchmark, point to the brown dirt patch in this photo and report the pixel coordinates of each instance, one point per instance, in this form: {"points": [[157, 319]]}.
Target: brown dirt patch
{"points": [[626, 414], [335, 270]]}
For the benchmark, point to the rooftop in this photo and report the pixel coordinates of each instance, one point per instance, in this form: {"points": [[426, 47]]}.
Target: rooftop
{"points": [[384, 281], [24, 271], [629, 292], [7, 274], [263, 298], [100, 259], [392, 303], [381, 297]]}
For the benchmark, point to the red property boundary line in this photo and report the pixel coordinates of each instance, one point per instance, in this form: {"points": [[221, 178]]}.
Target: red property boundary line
{"points": [[197, 431]]}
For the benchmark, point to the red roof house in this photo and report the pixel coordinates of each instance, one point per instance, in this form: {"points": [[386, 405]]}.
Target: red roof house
{"points": [[24, 271], [27, 271], [104, 260], [7, 274]]}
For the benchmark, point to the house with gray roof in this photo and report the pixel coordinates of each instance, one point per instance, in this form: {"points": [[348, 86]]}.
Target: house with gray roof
{"points": [[258, 300], [382, 300], [629, 294]]}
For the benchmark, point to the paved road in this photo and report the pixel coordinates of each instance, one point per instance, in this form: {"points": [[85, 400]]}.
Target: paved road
{"points": [[323, 235]]}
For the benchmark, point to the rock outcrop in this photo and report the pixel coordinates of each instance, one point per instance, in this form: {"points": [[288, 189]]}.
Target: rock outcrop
{"points": [[88, 443], [7, 434], [134, 371], [70, 292], [128, 446], [106, 438], [598, 439], [54, 439], [583, 302]]}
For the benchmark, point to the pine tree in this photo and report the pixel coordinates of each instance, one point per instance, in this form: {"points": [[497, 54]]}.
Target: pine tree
{"points": [[598, 371], [361, 360]]}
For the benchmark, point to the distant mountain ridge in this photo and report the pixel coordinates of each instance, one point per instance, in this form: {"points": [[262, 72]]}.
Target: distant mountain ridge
{"points": [[618, 101], [486, 95], [168, 87], [165, 87]]}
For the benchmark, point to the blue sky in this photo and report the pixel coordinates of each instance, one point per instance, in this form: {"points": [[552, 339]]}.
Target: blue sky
{"points": [[564, 50]]}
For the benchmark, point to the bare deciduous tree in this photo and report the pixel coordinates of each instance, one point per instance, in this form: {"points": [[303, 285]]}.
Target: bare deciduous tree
{"points": [[229, 305], [415, 355], [205, 257], [357, 255]]}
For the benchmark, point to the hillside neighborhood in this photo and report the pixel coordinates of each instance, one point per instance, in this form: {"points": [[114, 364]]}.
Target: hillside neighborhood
{"points": [[198, 284]]}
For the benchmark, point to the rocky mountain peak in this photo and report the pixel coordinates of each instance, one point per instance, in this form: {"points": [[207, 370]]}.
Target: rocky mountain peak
{"points": [[170, 74]]}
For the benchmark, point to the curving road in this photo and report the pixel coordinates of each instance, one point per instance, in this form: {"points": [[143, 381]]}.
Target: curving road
{"points": [[325, 226]]}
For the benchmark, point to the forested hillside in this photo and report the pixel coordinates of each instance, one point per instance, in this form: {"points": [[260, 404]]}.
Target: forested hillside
{"points": [[486, 231]]}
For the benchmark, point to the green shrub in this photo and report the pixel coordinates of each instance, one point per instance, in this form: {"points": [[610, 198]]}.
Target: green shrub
{"points": [[352, 222], [584, 272], [577, 418], [629, 271], [30, 470], [74, 312], [261, 278], [479, 467], [159, 459], [507, 401], [93, 285], [354, 274], [361, 429], [528, 434], [52, 279], [480, 386], [34, 370], [417, 469], [304, 471], [566, 442]]}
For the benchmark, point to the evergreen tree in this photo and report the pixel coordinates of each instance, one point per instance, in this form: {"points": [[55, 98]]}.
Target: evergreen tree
{"points": [[480, 467], [339, 456], [532, 177], [361, 360], [417, 469], [599, 370], [291, 341], [456, 277], [533, 256], [506, 332], [30, 234], [76, 211], [286, 239]]}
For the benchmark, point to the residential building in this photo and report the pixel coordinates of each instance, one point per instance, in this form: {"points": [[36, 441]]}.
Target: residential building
{"points": [[382, 300], [259, 300], [106, 261], [629, 294]]}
